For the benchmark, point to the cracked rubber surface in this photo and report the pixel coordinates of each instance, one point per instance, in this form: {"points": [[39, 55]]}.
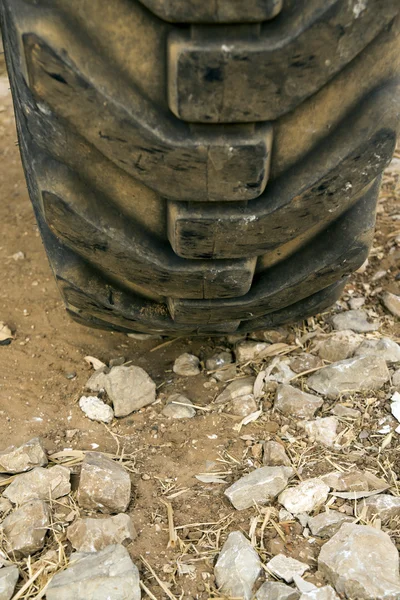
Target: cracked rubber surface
{"points": [[203, 167]]}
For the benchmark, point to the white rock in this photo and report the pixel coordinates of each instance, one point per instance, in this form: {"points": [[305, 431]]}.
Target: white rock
{"points": [[294, 402], [177, 407], [361, 562], [238, 567], [41, 483], [96, 409], [261, 486], [353, 481], [326, 524], [281, 372], [356, 320], [396, 379], [106, 575], [240, 387], [274, 590], [338, 346], [243, 405], [129, 388], [250, 351], [385, 348], [384, 506], [25, 529], [351, 375], [324, 593], [392, 303], [23, 458], [285, 567], [322, 430], [304, 497], [187, 365], [356, 303], [8, 580], [275, 455], [92, 535], [143, 337]]}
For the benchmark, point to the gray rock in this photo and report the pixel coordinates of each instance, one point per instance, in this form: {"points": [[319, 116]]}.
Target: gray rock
{"points": [[322, 430], [243, 405], [8, 580], [351, 375], [235, 389], [44, 484], [92, 535], [261, 486], [326, 524], [285, 567], [104, 484], [129, 388], [356, 320], [338, 346], [250, 351], [384, 506], [96, 409], [23, 458], [396, 378], [275, 455], [217, 361], [174, 408], [25, 529], [392, 303], [187, 365], [353, 481], [294, 402], [226, 373], [305, 362], [345, 412], [356, 303], [272, 336], [274, 590], [238, 567], [385, 348], [323, 593], [304, 497], [361, 562], [106, 575]]}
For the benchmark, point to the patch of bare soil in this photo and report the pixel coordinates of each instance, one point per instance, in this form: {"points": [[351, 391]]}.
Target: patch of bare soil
{"points": [[43, 374]]}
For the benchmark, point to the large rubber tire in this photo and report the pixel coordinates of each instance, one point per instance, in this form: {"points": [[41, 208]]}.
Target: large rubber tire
{"points": [[203, 166]]}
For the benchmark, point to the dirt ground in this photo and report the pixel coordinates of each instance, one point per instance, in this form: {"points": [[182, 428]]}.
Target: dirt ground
{"points": [[43, 374]]}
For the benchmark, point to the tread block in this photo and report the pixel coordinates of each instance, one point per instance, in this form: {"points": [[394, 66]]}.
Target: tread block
{"points": [[88, 223], [217, 79], [214, 11], [334, 253], [314, 193], [213, 164]]}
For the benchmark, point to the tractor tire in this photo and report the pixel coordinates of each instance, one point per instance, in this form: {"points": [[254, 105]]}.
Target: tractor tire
{"points": [[203, 166]]}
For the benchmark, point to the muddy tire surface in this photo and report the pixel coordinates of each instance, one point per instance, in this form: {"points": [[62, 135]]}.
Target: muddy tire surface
{"points": [[205, 166]]}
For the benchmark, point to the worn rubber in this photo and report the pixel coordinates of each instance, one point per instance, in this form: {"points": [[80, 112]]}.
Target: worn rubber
{"points": [[208, 166]]}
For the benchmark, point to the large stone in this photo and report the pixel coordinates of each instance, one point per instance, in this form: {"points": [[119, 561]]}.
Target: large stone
{"points": [[351, 375], [304, 497], [44, 484], [384, 506], [323, 593], [338, 346], [237, 388], [187, 365], [104, 484], [385, 348], [92, 535], [361, 562], [243, 405], [285, 567], [249, 351], [322, 430], [293, 402], [275, 455], [260, 486], [326, 524], [274, 590], [178, 407], [356, 320], [106, 575], [25, 529], [354, 481], [392, 303], [8, 580], [95, 409], [129, 388], [23, 458], [238, 567]]}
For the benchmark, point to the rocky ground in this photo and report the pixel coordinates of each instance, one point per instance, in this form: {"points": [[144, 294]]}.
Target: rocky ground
{"points": [[197, 468]]}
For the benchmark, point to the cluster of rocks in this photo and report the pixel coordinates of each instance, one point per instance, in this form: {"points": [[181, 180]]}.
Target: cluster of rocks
{"points": [[100, 558]]}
